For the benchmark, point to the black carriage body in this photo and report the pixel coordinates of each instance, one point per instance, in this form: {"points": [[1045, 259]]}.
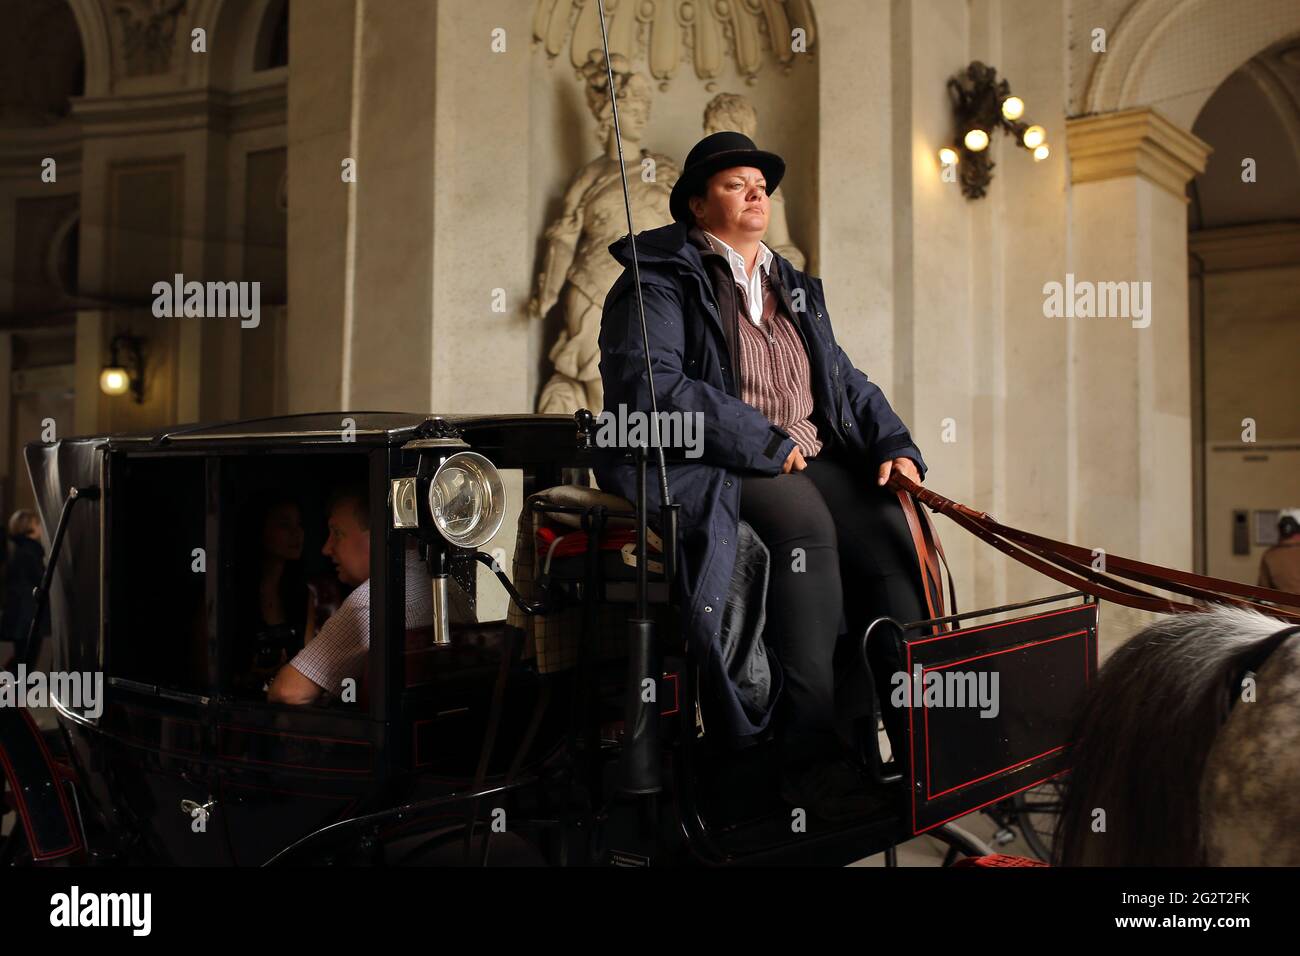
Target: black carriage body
{"points": [[187, 770], [268, 775]]}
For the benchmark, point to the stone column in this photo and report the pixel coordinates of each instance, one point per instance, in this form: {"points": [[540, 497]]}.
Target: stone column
{"points": [[321, 136], [853, 245], [1130, 396], [388, 328], [929, 255], [483, 254]]}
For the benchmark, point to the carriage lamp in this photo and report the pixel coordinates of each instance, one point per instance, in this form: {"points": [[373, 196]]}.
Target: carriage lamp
{"points": [[118, 377], [983, 104], [402, 498], [467, 500]]}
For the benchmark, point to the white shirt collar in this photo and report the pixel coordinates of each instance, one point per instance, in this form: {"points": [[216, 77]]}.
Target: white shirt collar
{"points": [[753, 285]]}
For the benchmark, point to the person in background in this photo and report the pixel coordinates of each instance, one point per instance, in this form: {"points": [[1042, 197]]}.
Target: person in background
{"points": [[26, 565], [1279, 568], [277, 608], [339, 652]]}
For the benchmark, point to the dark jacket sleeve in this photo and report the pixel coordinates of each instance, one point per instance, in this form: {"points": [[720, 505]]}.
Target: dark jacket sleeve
{"points": [[883, 432], [736, 434]]}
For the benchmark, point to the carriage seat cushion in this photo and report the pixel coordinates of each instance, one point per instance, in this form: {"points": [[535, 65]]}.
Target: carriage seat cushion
{"points": [[581, 496], [555, 636], [562, 544]]}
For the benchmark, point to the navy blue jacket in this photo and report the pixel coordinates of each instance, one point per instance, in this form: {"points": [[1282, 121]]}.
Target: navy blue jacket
{"points": [[694, 371]]}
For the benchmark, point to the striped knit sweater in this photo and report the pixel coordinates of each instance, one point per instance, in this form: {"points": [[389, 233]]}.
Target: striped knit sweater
{"points": [[774, 373]]}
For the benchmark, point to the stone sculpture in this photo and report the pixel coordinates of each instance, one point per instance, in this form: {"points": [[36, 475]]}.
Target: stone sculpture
{"points": [[578, 269]]}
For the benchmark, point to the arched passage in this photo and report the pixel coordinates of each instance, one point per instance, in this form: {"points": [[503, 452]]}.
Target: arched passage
{"points": [[95, 44], [1171, 55], [1244, 246]]}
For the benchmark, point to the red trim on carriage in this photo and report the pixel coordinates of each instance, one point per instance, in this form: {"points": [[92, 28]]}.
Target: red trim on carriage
{"points": [[911, 726], [1006, 650], [986, 627], [40, 854]]}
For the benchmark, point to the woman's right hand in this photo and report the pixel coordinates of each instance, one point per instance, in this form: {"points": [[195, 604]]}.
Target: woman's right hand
{"points": [[794, 463]]}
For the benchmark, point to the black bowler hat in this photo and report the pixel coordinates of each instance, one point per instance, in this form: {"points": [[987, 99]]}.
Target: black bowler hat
{"points": [[721, 151]]}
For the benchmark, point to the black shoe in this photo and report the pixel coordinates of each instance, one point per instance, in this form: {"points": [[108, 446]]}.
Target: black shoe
{"points": [[835, 791]]}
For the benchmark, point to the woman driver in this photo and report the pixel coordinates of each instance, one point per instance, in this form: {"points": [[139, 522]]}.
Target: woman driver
{"points": [[797, 442]]}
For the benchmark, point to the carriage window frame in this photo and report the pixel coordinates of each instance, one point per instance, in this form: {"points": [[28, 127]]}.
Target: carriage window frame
{"points": [[222, 521], [218, 611], [113, 585]]}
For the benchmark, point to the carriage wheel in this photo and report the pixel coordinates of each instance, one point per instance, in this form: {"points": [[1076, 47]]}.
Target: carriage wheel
{"points": [[446, 846], [1037, 811], [959, 842]]}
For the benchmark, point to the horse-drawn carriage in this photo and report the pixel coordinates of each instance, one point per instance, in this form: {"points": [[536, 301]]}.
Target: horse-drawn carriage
{"points": [[574, 731]]}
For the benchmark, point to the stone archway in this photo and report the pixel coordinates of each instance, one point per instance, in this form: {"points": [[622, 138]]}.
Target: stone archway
{"points": [[1171, 55], [1131, 156], [1244, 249], [96, 45], [235, 31]]}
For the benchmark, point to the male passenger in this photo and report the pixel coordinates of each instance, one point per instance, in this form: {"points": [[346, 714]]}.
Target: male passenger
{"points": [[339, 651]]}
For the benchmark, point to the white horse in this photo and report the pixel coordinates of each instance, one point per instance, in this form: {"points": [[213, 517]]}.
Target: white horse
{"points": [[1188, 749]]}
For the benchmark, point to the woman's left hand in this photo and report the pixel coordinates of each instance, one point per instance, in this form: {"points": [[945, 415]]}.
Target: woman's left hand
{"points": [[905, 466]]}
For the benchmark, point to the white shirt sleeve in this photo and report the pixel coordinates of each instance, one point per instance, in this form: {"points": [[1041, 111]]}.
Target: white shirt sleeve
{"points": [[339, 650]]}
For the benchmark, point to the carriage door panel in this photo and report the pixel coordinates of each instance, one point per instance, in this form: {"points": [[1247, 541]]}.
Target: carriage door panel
{"points": [[153, 746], [991, 708], [287, 773], [153, 764]]}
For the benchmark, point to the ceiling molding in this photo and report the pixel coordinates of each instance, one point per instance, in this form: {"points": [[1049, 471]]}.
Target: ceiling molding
{"points": [[1235, 248]]}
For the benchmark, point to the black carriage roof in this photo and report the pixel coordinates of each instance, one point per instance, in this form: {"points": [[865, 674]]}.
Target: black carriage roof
{"points": [[373, 428]]}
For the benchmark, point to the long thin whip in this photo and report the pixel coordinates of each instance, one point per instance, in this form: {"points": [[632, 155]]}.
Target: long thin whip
{"points": [[636, 268]]}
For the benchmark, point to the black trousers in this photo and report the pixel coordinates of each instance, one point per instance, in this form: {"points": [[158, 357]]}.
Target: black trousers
{"points": [[841, 557]]}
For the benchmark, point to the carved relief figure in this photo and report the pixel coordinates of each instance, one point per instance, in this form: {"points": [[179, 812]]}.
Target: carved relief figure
{"points": [[731, 111], [578, 268], [701, 34], [148, 33]]}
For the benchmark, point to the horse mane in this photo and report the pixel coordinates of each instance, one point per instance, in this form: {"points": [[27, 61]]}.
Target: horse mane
{"points": [[1141, 741]]}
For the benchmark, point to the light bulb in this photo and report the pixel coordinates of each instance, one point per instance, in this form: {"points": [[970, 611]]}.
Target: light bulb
{"points": [[1034, 136], [976, 140], [114, 381], [1013, 107], [1041, 152], [948, 156]]}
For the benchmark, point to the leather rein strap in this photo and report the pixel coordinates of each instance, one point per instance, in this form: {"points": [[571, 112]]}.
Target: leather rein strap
{"points": [[1072, 565], [929, 553]]}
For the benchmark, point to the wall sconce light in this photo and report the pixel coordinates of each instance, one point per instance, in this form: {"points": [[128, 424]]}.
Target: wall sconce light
{"points": [[983, 104], [119, 377]]}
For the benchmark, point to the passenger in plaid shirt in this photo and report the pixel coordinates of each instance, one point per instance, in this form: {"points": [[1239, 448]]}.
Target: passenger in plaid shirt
{"points": [[339, 651]]}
